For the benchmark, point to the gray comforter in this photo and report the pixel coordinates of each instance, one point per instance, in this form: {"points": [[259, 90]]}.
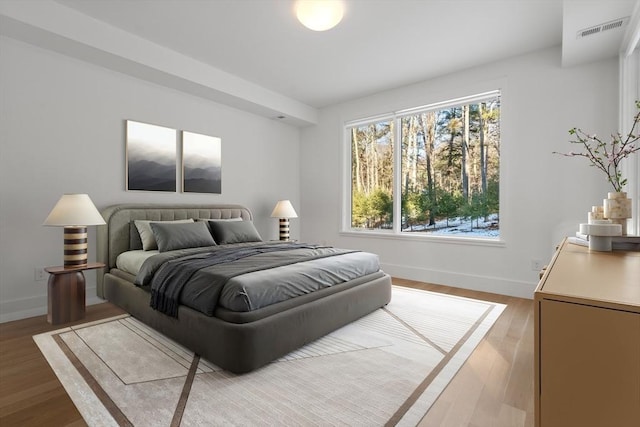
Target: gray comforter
{"points": [[203, 278]]}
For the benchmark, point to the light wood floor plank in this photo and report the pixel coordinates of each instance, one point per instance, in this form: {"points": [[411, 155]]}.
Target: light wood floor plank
{"points": [[30, 393], [493, 388], [495, 385]]}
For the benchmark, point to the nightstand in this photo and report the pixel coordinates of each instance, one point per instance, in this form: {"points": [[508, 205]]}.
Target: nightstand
{"points": [[66, 293]]}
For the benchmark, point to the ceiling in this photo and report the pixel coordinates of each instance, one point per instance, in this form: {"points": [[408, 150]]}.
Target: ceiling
{"points": [[379, 45]]}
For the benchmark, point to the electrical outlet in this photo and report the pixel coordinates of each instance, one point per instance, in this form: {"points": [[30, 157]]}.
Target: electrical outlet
{"points": [[536, 265], [39, 274]]}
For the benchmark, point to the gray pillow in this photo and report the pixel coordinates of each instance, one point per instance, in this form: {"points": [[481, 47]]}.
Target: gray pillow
{"points": [[208, 220], [225, 232], [180, 236], [135, 242], [146, 235]]}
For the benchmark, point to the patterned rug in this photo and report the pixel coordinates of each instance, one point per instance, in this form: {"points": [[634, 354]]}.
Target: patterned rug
{"points": [[384, 369]]}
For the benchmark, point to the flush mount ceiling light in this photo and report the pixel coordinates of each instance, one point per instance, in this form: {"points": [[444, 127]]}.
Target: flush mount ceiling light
{"points": [[319, 15]]}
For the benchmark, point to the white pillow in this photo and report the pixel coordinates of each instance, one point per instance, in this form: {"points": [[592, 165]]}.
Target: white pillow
{"points": [[146, 234]]}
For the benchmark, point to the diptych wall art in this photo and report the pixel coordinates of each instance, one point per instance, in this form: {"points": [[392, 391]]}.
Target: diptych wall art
{"points": [[151, 157], [151, 162], [201, 163]]}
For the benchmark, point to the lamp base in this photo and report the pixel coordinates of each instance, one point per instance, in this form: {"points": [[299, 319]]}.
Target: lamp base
{"points": [[284, 229], [75, 246]]}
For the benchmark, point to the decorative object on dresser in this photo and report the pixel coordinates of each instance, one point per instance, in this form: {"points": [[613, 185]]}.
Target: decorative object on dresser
{"points": [[201, 163], [74, 212], [608, 157], [617, 208], [599, 230], [601, 234], [284, 210], [151, 157], [618, 243], [587, 339]]}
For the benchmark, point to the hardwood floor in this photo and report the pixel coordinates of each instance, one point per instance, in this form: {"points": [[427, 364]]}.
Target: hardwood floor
{"points": [[30, 393], [493, 388], [495, 385]]}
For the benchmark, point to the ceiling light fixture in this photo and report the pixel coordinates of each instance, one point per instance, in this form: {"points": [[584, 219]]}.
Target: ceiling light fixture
{"points": [[319, 15]]}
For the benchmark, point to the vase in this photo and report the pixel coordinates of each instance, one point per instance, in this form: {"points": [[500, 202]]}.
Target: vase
{"points": [[617, 208]]}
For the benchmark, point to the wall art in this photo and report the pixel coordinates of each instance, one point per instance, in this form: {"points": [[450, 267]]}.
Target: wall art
{"points": [[151, 157], [201, 163]]}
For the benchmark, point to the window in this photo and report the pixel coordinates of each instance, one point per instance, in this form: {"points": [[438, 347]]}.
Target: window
{"points": [[432, 170], [372, 161]]}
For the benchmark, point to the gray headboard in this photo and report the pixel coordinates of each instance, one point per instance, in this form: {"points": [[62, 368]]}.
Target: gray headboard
{"points": [[114, 237]]}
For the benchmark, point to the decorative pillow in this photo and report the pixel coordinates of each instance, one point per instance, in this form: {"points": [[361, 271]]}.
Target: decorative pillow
{"points": [[146, 235], [180, 236], [234, 232], [206, 221], [135, 243]]}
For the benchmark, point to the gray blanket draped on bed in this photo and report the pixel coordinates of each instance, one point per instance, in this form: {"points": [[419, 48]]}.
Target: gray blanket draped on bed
{"points": [[174, 274]]}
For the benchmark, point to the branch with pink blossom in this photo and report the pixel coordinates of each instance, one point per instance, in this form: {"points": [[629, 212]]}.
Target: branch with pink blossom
{"points": [[607, 156]]}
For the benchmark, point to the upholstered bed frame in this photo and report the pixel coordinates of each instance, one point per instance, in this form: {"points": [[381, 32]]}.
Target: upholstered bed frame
{"points": [[238, 342]]}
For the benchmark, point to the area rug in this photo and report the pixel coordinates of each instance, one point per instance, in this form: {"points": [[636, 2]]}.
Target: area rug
{"points": [[385, 369]]}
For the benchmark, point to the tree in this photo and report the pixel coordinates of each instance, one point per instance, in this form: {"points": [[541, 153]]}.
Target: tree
{"points": [[482, 151], [372, 174], [449, 205], [355, 164], [427, 135], [450, 162], [412, 208], [464, 167]]}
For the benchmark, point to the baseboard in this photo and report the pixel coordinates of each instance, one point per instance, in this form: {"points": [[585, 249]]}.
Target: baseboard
{"points": [[23, 308], [496, 285]]}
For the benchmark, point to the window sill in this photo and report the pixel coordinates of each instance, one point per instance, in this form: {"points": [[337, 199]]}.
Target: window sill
{"points": [[416, 237]]}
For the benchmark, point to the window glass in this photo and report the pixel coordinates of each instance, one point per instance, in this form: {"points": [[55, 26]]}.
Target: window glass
{"points": [[447, 178], [372, 175]]}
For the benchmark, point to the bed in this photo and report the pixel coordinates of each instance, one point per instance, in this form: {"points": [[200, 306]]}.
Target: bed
{"points": [[238, 334]]}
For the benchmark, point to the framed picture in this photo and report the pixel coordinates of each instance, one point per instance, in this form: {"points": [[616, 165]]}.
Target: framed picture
{"points": [[201, 163], [151, 157]]}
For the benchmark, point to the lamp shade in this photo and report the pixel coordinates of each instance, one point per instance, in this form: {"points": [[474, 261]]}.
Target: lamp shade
{"points": [[284, 209], [74, 210]]}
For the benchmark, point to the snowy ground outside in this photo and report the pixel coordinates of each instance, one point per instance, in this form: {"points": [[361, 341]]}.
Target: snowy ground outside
{"points": [[461, 227]]}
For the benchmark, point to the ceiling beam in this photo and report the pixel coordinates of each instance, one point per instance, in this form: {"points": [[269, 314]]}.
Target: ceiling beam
{"points": [[50, 25]]}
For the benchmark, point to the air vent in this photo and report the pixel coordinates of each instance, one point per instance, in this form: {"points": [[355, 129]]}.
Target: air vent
{"points": [[611, 25]]}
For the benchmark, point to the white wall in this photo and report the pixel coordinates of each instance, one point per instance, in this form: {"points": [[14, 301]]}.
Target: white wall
{"points": [[62, 130], [543, 196]]}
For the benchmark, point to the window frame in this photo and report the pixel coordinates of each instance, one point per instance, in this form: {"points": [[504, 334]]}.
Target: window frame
{"points": [[395, 233]]}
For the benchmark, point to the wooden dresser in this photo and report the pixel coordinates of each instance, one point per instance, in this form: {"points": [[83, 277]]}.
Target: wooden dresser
{"points": [[587, 339]]}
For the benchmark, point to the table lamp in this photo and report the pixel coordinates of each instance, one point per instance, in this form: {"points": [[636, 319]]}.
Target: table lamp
{"points": [[74, 212], [284, 210]]}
